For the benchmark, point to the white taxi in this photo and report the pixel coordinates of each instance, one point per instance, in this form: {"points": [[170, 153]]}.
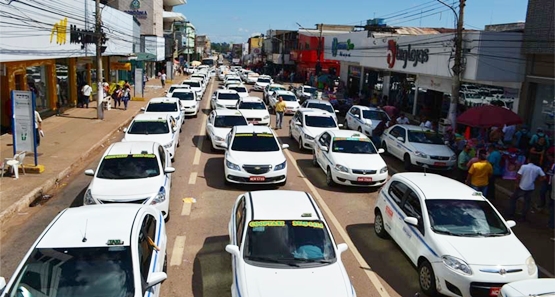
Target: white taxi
{"points": [[164, 105], [254, 109], [322, 105], [190, 102], [349, 158], [107, 250], [138, 172], [222, 99], [364, 119], [254, 156], [281, 245], [307, 123], [418, 146], [195, 85], [291, 102], [175, 87], [219, 124], [261, 82], [240, 89], [158, 128], [458, 241], [542, 287]]}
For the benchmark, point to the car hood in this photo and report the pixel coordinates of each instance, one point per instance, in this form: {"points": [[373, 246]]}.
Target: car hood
{"points": [[486, 251], [160, 138], [433, 149], [125, 189], [262, 84], [243, 95], [358, 161], [254, 113], [189, 103], [256, 158], [294, 104], [269, 282], [313, 131], [227, 102]]}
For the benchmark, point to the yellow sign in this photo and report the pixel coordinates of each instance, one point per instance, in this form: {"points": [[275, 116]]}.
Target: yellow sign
{"points": [[60, 30], [120, 66]]}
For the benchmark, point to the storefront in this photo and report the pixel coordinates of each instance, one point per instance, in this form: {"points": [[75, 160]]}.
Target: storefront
{"points": [[414, 71]]}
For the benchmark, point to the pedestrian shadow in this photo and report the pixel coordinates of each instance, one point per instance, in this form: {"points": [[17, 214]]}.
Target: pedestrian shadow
{"points": [[76, 117], [293, 144], [317, 177], [212, 275]]}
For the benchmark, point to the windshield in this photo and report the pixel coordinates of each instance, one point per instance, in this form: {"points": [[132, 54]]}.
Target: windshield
{"points": [[251, 105], [276, 88], [464, 218], [184, 95], [128, 166], [149, 127], [291, 243], [83, 272], [162, 107], [228, 96], [321, 106], [263, 80], [373, 114], [193, 84], [239, 89], [320, 122], [425, 137], [229, 121], [257, 142], [176, 88], [353, 146], [310, 90], [208, 62], [289, 98]]}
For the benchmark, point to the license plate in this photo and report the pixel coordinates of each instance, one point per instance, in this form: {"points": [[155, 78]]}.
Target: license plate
{"points": [[254, 122], [364, 179], [257, 178], [440, 163], [494, 292]]}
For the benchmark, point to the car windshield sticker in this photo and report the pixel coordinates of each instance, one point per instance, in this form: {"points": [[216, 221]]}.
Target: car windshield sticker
{"points": [[306, 215], [255, 224], [115, 242], [244, 135], [150, 121], [258, 229], [351, 139], [308, 224], [133, 156]]}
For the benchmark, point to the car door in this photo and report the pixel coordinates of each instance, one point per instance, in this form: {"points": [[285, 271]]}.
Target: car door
{"points": [[323, 157], [393, 217], [296, 129], [350, 117], [210, 125], [174, 130], [237, 228], [149, 252], [393, 144], [411, 243]]}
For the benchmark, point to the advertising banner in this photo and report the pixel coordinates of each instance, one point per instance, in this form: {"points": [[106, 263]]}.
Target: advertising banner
{"points": [[23, 122]]}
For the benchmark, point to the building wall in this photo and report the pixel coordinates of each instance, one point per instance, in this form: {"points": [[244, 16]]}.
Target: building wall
{"points": [[540, 27]]}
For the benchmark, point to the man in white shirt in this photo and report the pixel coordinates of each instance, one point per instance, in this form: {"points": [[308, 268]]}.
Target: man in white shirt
{"points": [[426, 123], [403, 120], [38, 127], [525, 185], [508, 134], [86, 90]]}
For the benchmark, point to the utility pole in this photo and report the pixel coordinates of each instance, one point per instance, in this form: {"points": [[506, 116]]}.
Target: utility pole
{"points": [[318, 67], [282, 52], [99, 76], [457, 67]]}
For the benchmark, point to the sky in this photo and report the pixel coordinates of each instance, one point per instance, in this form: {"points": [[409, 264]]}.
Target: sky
{"points": [[236, 20]]}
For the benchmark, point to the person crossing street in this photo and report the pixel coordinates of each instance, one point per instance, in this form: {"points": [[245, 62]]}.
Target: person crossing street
{"points": [[280, 109]]}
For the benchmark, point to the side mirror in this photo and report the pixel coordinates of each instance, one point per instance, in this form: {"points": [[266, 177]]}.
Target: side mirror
{"points": [[199, 99], [165, 92], [411, 221], [233, 250], [124, 130], [284, 146], [357, 116], [2, 283], [511, 223], [340, 125], [183, 108], [89, 172], [401, 139], [381, 151], [298, 123], [324, 148], [155, 278], [143, 109], [342, 247], [336, 111], [169, 170]]}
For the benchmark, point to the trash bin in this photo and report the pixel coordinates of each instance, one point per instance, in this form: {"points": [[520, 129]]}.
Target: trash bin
{"points": [[443, 124]]}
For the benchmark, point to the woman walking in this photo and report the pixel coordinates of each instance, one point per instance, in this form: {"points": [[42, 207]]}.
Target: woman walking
{"points": [[126, 95], [117, 96]]}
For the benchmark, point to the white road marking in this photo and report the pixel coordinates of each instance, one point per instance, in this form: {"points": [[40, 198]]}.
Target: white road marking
{"points": [[202, 132], [177, 252], [186, 210], [367, 269], [193, 178]]}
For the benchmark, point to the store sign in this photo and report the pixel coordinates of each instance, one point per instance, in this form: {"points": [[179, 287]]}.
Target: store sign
{"points": [[338, 48], [135, 6], [23, 124], [354, 71], [415, 56]]}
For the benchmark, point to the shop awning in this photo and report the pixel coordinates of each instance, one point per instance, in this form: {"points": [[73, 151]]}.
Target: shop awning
{"points": [[120, 66]]}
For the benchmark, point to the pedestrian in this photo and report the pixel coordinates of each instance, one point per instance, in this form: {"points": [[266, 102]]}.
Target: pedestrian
{"points": [[462, 163], [522, 138], [279, 109], [86, 92], [494, 158], [425, 123], [126, 94], [163, 79], [378, 131], [117, 95], [403, 120], [525, 185], [551, 222], [539, 134], [145, 79], [539, 147], [508, 134], [546, 186], [479, 174], [38, 127]]}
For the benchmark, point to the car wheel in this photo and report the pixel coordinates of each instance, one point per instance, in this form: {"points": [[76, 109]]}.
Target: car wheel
{"points": [[314, 160], [359, 129], [329, 178], [167, 219], [407, 163], [180, 129], [173, 159], [384, 146], [379, 225], [427, 279], [301, 148]]}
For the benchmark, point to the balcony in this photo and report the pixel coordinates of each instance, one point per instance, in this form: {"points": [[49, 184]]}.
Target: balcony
{"points": [[170, 17], [174, 2]]}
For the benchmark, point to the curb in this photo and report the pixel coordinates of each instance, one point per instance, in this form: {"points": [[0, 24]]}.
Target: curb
{"points": [[24, 202]]}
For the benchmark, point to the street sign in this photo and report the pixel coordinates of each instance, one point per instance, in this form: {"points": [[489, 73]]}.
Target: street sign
{"points": [[23, 122]]}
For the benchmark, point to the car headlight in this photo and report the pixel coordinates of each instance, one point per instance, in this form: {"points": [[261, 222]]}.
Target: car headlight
{"points": [[280, 166], [160, 197], [531, 265], [308, 137], [232, 165], [383, 170], [168, 145], [218, 138], [341, 168], [266, 117], [88, 198], [457, 265], [454, 157], [420, 154]]}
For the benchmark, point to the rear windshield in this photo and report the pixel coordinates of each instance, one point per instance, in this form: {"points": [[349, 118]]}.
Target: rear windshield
{"points": [[239, 89], [193, 84], [229, 121], [162, 107], [228, 96], [263, 80], [184, 95], [321, 106], [149, 127], [175, 88], [251, 105]]}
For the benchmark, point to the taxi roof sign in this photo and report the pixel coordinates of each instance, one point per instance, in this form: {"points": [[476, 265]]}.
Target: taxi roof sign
{"points": [[114, 242], [306, 215]]}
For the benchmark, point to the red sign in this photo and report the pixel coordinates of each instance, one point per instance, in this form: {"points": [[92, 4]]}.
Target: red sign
{"points": [[388, 211], [364, 179], [494, 292]]}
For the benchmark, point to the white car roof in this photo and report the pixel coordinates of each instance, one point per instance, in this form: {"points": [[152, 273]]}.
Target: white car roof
{"points": [[276, 85], [282, 205], [315, 112], [189, 80], [180, 86], [265, 76], [347, 134], [183, 91], [132, 147], [226, 91], [162, 99], [529, 287], [227, 112], [435, 186], [250, 99], [253, 129], [151, 117], [285, 92], [236, 85], [73, 224], [318, 101], [362, 107]]}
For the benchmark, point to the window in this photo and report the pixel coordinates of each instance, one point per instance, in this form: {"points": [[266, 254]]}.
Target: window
{"points": [[251, 105], [289, 98], [149, 127], [397, 191], [354, 111], [228, 96], [129, 166], [229, 121], [360, 146], [240, 221], [37, 82], [147, 236], [322, 106], [325, 139], [162, 107], [255, 142], [398, 132], [374, 115], [412, 207], [162, 153], [425, 137], [184, 95], [320, 122]]}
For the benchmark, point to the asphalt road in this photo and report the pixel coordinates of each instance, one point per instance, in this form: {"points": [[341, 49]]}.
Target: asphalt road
{"points": [[197, 231]]}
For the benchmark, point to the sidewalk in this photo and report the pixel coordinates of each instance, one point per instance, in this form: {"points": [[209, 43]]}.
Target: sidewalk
{"points": [[68, 140]]}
